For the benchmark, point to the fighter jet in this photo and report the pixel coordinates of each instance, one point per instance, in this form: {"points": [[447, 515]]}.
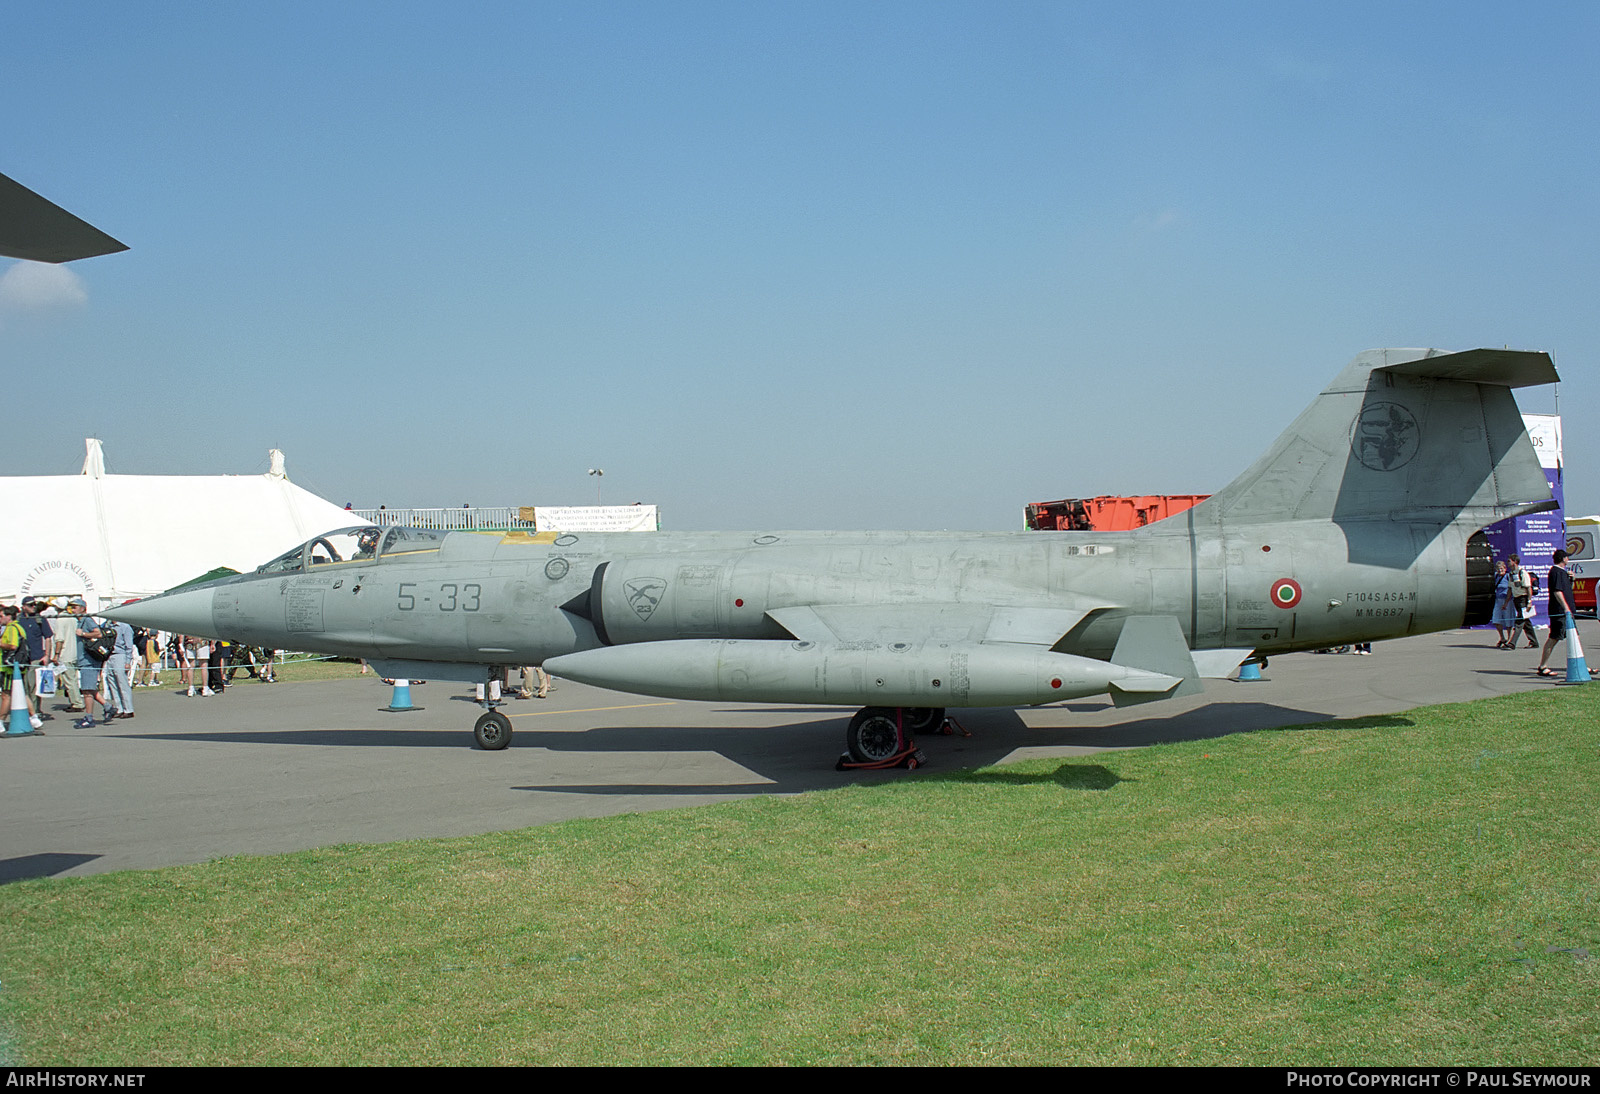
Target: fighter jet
{"points": [[1362, 522]]}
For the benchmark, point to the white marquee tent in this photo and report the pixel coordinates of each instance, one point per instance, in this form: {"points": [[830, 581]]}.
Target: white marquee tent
{"points": [[110, 537]]}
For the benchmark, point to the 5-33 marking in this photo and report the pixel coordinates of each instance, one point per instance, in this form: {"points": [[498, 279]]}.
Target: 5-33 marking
{"points": [[452, 597]]}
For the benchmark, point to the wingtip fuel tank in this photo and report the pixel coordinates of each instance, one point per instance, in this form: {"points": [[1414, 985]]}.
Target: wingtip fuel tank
{"points": [[927, 674]]}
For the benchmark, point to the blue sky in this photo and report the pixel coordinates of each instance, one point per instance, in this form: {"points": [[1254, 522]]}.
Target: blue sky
{"points": [[816, 265]]}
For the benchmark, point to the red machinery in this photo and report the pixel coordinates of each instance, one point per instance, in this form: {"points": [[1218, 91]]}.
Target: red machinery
{"points": [[1106, 514]]}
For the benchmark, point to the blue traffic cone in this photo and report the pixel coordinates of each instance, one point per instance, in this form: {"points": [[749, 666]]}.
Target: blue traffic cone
{"points": [[18, 724], [400, 700], [1250, 672], [1577, 669]]}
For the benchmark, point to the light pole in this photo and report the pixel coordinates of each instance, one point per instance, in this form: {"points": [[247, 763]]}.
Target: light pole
{"points": [[598, 473]]}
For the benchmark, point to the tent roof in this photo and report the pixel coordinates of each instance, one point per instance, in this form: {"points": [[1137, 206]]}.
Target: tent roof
{"points": [[118, 536]]}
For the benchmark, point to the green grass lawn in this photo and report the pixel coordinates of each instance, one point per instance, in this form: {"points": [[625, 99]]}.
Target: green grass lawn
{"points": [[1419, 888]]}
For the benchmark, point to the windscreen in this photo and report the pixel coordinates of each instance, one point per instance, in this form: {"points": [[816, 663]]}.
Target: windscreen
{"points": [[353, 545], [345, 545], [400, 540]]}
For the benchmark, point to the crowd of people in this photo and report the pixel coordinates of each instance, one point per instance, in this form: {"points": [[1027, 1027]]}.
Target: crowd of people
{"points": [[92, 662], [64, 652], [1515, 586]]}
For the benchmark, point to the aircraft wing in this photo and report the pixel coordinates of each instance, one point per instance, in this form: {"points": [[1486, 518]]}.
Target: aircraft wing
{"points": [[886, 624], [912, 655], [1049, 628], [37, 229]]}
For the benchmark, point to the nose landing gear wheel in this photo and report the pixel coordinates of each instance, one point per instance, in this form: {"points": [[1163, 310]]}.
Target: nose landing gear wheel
{"points": [[492, 731]]}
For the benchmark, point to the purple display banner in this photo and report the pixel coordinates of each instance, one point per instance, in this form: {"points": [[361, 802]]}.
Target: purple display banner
{"points": [[1534, 539]]}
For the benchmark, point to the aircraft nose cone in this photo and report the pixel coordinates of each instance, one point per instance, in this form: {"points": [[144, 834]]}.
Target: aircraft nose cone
{"points": [[186, 612]]}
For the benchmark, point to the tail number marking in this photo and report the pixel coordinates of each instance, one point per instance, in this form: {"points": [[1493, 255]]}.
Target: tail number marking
{"points": [[452, 597]]}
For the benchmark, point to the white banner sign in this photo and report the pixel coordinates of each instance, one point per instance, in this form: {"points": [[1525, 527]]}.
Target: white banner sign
{"points": [[595, 518], [1544, 430]]}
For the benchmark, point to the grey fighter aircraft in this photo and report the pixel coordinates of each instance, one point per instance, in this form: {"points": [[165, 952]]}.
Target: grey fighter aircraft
{"points": [[1361, 522]]}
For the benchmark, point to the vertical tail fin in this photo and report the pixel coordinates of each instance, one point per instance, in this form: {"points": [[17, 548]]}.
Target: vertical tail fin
{"points": [[1410, 436]]}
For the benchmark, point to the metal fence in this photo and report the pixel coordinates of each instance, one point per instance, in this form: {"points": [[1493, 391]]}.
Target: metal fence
{"points": [[485, 518]]}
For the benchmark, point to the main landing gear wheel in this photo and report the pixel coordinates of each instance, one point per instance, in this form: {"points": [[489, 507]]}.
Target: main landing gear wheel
{"points": [[874, 735], [923, 719], [492, 731]]}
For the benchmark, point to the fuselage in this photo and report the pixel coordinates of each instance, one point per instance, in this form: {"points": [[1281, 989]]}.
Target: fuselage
{"points": [[514, 598]]}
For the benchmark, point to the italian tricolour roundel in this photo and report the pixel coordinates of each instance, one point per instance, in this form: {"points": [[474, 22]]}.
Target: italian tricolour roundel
{"points": [[1286, 592]]}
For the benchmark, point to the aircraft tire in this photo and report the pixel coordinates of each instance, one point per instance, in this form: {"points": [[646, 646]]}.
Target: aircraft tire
{"points": [[923, 719], [492, 731], [873, 735]]}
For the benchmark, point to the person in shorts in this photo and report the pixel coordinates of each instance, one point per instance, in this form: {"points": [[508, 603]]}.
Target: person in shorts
{"points": [[1560, 609], [89, 669], [150, 657], [64, 653]]}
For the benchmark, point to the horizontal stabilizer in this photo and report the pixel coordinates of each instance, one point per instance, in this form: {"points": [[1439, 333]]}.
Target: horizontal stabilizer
{"points": [[35, 228], [1501, 367]]}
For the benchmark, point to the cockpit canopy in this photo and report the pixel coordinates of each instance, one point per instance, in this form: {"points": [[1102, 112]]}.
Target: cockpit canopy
{"points": [[362, 543]]}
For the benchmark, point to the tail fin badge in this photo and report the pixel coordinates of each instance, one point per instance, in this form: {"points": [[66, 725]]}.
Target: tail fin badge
{"points": [[1286, 592], [1385, 436]]}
